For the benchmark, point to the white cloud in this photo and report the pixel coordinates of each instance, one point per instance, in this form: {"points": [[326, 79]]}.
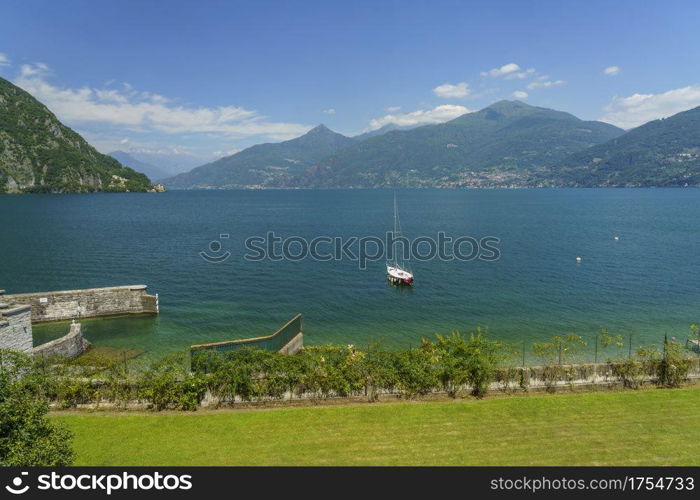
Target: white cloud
{"points": [[543, 82], [4, 60], [145, 111], [393, 109], [447, 90], [520, 94], [503, 70], [329, 111], [438, 114], [612, 70], [637, 109], [520, 74], [31, 70]]}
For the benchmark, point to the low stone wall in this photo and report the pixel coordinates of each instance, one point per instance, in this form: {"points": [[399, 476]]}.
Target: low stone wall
{"points": [[15, 327], [87, 303], [69, 346]]}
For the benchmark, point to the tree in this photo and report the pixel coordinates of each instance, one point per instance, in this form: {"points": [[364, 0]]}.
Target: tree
{"points": [[27, 436], [606, 340]]}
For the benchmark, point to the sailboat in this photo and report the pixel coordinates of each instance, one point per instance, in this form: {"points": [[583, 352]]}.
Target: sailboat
{"points": [[396, 270]]}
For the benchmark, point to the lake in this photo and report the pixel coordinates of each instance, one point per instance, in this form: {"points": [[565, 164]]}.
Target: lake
{"points": [[645, 283]]}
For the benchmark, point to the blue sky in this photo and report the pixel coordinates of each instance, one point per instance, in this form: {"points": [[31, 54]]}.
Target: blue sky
{"points": [[209, 78]]}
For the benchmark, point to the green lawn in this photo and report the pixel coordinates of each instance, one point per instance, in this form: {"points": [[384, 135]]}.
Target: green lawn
{"points": [[653, 427]]}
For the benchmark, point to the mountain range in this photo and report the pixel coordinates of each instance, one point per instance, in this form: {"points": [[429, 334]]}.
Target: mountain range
{"points": [[507, 144], [503, 142], [40, 154]]}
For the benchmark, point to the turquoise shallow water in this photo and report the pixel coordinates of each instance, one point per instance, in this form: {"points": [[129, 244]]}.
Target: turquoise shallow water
{"points": [[646, 283]]}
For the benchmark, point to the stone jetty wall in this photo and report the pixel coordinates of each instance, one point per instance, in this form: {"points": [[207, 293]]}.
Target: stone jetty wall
{"points": [[87, 303], [71, 345]]}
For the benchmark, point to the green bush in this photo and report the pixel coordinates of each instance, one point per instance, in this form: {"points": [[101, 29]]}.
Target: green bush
{"points": [[27, 437], [630, 372], [452, 363], [169, 384], [673, 367]]}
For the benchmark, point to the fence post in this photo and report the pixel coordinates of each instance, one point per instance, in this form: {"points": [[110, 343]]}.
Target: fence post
{"points": [[665, 344], [595, 358], [630, 350], [559, 352]]}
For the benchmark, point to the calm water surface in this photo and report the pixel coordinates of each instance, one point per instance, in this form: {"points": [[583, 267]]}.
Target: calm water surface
{"points": [[645, 283]]}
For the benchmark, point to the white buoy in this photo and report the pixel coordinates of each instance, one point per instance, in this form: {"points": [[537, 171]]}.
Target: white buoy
{"points": [[617, 238], [578, 259]]}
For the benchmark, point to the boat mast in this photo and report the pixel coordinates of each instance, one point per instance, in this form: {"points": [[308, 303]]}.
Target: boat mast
{"points": [[396, 211], [398, 261]]}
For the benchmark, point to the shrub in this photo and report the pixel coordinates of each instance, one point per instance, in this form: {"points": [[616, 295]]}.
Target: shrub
{"points": [[630, 372], [168, 383], [379, 371], [117, 387], [27, 437], [415, 373], [555, 353], [673, 368], [551, 376]]}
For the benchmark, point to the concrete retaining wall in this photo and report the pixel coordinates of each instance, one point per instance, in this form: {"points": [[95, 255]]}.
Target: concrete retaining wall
{"points": [[87, 303], [15, 327], [294, 345], [71, 345]]}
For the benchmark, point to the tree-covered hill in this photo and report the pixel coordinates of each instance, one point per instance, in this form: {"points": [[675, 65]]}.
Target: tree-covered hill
{"points": [[40, 154], [272, 164], [659, 153], [506, 138]]}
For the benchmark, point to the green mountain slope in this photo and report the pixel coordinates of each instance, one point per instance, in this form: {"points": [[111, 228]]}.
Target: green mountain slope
{"points": [[264, 164], [503, 144], [40, 154], [660, 153]]}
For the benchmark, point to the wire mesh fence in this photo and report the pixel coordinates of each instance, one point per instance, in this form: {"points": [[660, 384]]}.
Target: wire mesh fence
{"points": [[601, 347]]}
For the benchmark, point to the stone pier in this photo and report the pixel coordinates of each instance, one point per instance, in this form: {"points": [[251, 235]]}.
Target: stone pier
{"points": [[87, 303], [71, 345], [19, 311]]}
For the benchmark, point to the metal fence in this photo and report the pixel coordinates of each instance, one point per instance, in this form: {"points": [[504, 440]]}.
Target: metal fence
{"points": [[273, 342], [585, 349]]}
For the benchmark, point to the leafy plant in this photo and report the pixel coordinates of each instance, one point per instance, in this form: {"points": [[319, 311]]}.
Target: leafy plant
{"points": [[168, 383], [27, 436], [674, 366]]}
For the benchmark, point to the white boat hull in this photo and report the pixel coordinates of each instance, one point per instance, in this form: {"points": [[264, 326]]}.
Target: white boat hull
{"points": [[398, 276]]}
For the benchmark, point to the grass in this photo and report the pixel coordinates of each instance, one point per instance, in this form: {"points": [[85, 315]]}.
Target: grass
{"points": [[651, 427]]}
